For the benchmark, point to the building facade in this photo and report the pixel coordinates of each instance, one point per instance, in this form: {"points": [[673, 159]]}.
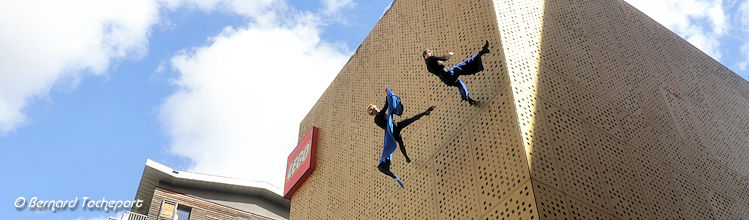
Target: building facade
{"points": [[169, 194], [588, 109]]}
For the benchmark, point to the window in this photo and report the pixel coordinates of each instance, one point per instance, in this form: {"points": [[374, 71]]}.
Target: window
{"points": [[167, 210], [183, 213], [174, 211]]}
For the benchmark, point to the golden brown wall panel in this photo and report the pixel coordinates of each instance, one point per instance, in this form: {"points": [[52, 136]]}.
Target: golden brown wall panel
{"points": [[455, 181], [500, 162], [446, 157], [623, 77], [588, 110], [519, 205]]}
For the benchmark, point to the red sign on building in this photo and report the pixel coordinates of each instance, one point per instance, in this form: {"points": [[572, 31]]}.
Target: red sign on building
{"points": [[301, 163]]}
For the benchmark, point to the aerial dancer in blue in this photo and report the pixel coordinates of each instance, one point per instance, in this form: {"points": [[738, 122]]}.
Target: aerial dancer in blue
{"points": [[450, 76], [392, 130]]}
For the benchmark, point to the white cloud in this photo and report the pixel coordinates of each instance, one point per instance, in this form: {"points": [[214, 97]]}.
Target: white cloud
{"points": [[745, 54], [55, 44], [262, 11], [743, 15], [701, 22], [240, 100], [333, 6], [45, 43], [743, 19]]}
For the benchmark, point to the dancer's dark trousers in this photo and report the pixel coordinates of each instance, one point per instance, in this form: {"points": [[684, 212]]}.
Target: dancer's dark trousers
{"points": [[470, 66]]}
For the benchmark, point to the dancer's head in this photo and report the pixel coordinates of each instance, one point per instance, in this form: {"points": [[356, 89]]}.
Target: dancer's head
{"points": [[427, 53], [372, 109]]}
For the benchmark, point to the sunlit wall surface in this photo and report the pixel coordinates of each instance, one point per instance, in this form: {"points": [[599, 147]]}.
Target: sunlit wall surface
{"points": [[588, 108]]}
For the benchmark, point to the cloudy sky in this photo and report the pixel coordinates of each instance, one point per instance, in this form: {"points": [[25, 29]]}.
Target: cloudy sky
{"points": [[91, 88]]}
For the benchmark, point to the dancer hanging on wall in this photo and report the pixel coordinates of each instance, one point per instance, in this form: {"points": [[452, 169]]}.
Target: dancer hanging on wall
{"points": [[392, 130], [450, 76]]}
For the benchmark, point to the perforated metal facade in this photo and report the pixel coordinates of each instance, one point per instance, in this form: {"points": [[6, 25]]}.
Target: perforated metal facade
{"points": [[588, 109]]}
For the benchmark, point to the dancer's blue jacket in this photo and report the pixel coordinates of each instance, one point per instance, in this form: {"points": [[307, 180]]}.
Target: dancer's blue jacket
{"points": [[394, 107]]}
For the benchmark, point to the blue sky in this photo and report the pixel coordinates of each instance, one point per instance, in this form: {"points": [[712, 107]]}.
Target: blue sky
{"points": [[88, 90], [88, 129]]}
